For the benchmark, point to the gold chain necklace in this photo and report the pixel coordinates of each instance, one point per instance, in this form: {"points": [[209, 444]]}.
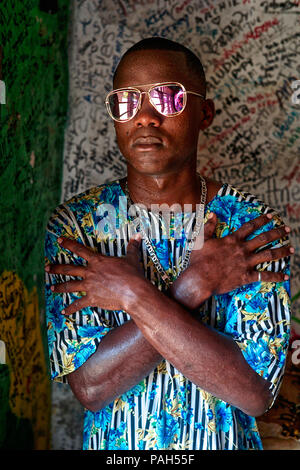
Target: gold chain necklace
{"points": [[198, 224]]}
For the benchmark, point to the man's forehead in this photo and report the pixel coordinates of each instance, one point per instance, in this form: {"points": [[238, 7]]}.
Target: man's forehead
{"points": [[152, 66]]}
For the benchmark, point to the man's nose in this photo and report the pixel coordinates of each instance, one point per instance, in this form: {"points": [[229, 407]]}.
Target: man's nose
{"points": [[147, 114]]}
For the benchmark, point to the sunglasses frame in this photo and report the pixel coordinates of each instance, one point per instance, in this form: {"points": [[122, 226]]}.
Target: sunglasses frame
{"points": [[140, 93]]}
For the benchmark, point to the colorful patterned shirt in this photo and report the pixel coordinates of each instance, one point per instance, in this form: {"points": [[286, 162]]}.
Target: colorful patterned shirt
{"points": [[166, 410]]}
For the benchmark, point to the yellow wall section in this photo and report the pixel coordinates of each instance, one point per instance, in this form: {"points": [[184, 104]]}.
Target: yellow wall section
{"points": [[20, 329]]}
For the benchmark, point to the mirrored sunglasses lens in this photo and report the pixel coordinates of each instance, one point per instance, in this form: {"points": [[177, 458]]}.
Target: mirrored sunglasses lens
{"points": [[123, 104], [168, 99]]}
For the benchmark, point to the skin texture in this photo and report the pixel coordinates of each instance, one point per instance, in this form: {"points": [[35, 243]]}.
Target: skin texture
{"points": [[166, 173]]}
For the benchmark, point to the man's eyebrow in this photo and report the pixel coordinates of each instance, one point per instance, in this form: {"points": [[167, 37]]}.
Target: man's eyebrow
{"points": [[135, 86], [149, 84]]}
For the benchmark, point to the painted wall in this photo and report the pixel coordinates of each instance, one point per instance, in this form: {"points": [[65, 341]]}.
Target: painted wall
{"points": [[33, 36], [249, 52]]}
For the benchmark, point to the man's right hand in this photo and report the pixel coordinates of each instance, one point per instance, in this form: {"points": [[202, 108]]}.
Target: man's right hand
{"points": [[224, 264]]}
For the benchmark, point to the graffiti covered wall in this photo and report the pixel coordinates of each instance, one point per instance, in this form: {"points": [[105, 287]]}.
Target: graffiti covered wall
{"points": [[249, 52], [33, 36]]}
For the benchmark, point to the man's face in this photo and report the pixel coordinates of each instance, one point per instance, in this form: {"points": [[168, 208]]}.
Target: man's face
{"points": [[154, 144]]}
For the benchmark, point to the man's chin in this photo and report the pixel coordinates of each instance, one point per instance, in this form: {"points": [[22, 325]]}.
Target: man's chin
{"points": [[149, 168], [148, 162]]}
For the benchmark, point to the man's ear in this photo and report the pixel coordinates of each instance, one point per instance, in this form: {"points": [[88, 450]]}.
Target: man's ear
{"points": [[208, 114]]}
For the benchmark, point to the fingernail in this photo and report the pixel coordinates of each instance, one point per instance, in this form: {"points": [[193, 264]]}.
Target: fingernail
{"points": [[210, 215], [47, 268], [269, 216], [59, 240], [52, 288], [63, 312], [286, 277], [287, 229], [292, 250]]}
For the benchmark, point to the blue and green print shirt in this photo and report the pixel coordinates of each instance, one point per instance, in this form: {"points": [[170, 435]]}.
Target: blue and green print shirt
{"points": [[165, 410]]}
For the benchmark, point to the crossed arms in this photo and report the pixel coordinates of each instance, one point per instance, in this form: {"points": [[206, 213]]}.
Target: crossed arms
{"points": [[163, 326]]}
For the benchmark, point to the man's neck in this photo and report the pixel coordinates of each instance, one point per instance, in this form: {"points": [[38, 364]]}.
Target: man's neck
{"points": [[171, 189]]}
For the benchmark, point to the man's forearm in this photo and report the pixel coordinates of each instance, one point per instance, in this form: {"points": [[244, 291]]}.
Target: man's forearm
{"points": [[210, 359], [123, 358]]}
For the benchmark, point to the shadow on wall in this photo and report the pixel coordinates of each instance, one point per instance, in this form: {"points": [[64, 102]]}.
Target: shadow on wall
{"points": [[66, 419], [13, 429]]}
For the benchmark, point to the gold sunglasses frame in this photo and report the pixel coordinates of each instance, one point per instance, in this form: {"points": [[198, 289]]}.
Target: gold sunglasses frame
{"points": [[140, 93]]}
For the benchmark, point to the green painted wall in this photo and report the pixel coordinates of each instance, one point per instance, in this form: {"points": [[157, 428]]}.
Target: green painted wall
{"points": [[33, 36]]}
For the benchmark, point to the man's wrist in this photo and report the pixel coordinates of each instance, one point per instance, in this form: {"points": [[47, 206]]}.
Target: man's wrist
{"points": [[138, 291], [190, 293]]}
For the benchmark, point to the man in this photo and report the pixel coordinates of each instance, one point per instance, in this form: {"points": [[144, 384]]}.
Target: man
{"points": [[168, 344]]}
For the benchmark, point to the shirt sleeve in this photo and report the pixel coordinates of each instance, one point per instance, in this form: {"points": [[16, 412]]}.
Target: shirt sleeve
{"points": [[72, 339], [257, 316]]}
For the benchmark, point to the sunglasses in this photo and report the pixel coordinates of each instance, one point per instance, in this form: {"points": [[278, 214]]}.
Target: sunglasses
{"points": [[168, 98]]}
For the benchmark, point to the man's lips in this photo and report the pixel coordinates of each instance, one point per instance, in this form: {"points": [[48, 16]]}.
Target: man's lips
{"points": [[147, 140]]}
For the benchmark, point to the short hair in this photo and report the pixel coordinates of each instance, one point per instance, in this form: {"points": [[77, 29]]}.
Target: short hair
{"points": [[192, 61]]}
